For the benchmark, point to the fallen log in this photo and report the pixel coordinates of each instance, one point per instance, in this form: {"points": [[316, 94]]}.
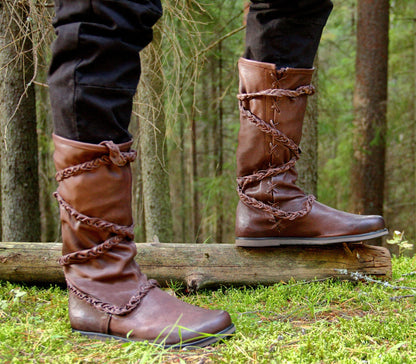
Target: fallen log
{"points": [[207, 265]]}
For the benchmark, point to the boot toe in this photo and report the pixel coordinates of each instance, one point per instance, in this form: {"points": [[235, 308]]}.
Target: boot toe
{"points": [[164, 319], [368, 227], [197, 324], [215, 322], [371, 223]]}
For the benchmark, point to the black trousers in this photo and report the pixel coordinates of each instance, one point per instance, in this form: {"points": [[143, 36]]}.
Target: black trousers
{"points": [[95, 64]]}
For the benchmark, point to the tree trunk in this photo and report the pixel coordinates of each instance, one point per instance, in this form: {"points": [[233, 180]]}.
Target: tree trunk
{"points": [[307, 166], [182, 187], [157, 208], [137, 185], [219, 158], [19, 148], [196, 217], [370, 106], [49, 211], [413, 131]]}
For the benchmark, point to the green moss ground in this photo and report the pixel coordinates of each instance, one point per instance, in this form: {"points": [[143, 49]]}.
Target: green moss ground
{"points": [[315, 322]]}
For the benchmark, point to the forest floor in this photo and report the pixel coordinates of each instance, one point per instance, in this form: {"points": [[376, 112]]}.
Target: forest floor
{"points": [[297, 322]]}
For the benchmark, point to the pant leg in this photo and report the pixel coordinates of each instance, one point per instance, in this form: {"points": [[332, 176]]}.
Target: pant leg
{"points": [[95, 65], [284, 32]]}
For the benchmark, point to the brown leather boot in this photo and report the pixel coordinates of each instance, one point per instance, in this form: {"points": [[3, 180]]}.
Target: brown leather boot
{"points": [[108, 295], [272, 210]]}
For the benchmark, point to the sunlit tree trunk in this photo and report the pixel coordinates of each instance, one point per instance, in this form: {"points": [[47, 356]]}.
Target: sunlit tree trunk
{"points": [[153, 158], [307, 166], [370, 106]]}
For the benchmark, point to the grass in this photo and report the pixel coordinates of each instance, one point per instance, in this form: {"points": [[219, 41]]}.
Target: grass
{"points": [[298, 322]]}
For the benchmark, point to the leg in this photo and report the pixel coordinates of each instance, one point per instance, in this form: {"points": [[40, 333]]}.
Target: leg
{"points": [[95, 67], [285, 33], [272, 209], [93, 77]]}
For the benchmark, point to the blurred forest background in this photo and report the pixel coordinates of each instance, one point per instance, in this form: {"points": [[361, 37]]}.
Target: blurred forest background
{"points": [[186, 120]]}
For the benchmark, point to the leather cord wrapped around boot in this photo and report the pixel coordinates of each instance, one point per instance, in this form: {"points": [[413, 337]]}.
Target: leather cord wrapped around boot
{"points": [[109, 297], [272, 210]]}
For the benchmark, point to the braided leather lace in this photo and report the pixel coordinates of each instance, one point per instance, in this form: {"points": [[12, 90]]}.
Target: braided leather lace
{"points": [[279, 138], [120, 233], [115, 157], [110, 308]]}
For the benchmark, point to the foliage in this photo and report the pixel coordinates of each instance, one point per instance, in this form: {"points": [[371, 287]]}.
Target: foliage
{"points": [[400, 204], [397, 239], [302, 322], [336, 85], [202, 41], [195, 93], [337, 55]]}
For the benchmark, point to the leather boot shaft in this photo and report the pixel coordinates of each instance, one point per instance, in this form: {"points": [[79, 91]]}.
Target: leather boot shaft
{"points": [[256, 149], [273, 210], [92, 186], [109, 297]]}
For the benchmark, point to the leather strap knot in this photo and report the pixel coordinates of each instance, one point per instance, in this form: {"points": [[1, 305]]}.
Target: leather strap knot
{"points": [[115, 155]]}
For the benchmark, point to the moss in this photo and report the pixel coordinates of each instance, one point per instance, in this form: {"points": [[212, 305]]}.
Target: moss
{"points": [[330, 321]]}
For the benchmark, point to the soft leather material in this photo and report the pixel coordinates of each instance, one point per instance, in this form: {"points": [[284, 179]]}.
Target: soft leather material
{"points": [[104, 282], [105, 193], [259, 152]]}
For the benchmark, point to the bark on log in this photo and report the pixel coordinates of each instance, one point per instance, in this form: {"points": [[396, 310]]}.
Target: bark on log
{"points": [[200, 266]]}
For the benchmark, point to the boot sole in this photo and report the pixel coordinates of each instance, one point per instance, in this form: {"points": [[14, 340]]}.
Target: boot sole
{"points": [[209, 340], [277, 241]]}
